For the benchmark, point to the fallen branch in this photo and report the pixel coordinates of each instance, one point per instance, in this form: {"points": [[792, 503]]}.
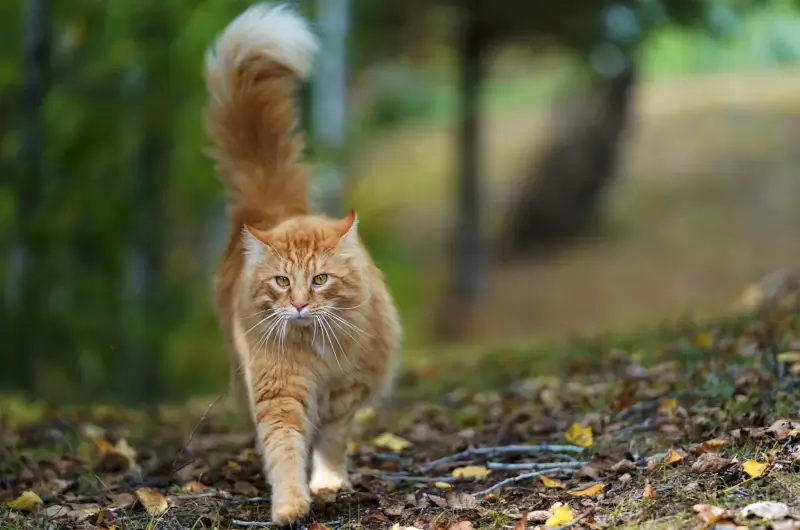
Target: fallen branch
{"points": [[500, 450], [253, 524], [194, 431], [534, 465], [575, 521], [512, 480], [409, 478]]}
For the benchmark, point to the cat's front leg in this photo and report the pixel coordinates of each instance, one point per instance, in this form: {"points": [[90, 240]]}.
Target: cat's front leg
{"points": [[283, 408], [329, 471]]}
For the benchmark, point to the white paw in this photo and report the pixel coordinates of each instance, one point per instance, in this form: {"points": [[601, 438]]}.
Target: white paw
{"points": [[326, 479]]}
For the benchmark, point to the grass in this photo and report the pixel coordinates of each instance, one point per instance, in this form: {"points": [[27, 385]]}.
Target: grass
{"points": [[641, 393]]}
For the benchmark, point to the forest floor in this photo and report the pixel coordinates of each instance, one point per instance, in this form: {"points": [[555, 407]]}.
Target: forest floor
{"points": [[692, 425]]}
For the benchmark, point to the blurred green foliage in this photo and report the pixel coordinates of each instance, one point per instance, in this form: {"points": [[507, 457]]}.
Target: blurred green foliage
{"points": [[126, 223]]}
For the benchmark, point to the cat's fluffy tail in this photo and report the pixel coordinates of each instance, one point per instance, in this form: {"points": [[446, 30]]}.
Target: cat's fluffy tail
{"points": [[251, 74]]}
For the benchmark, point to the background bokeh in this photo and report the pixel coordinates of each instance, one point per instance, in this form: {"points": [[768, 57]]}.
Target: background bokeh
{"points": [[521, 169]]}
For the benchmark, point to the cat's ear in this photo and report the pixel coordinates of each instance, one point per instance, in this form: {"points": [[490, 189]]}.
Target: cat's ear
{"points": [[254, 249], [348, 231]]}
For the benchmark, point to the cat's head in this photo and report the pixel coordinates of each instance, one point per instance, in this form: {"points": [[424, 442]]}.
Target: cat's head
{"points": [[306, 268]]}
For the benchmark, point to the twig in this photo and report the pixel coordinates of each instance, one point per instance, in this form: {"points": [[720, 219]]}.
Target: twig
{"points": [[253, 524], [191, 436], [408, 478], [512, 480], [499, 450], [533, 465]]}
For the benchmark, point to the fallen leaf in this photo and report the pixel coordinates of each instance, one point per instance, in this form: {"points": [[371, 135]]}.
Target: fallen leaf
{"points": [[460, 500], [552, 483], [442, 485], [673, 456], [318, 526], [539, 516], [117, 458], [754, 469], [441, 502], [398, 527], [471, 472], [710, 463], [194, 487], [579, 435], [708, 513], [710, 445], [623, 465], [561, 515], [766, 510], [649, 492], [668, 406], [702, 340], [588, 492], [781, 430], [391, 442], [461, 525], [154, 503], [26, 502], [788, 357]]}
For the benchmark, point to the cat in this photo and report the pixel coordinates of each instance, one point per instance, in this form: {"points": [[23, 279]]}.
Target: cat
{"points": [[311, 328]]}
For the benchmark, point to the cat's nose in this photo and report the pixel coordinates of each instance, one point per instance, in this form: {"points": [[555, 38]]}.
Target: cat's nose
{"points": [[299, 305]]}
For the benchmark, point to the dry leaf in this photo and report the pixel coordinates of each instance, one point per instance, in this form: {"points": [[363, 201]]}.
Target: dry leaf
{"points": [[117, 458], [461, 525], [194, 487], [471, 472], [552, 483], [668, 406], [649, 492], [398, 527], [766, 510], [673, 457], [460, 500], [318, 526], [710, 463], [579, 435], [781, 430], [754, 469], [26, 502], [588, 492], [708, 513], [154, 503], [702, 340], [710, 445], [539, 516], [391, 442], [561, 515]]}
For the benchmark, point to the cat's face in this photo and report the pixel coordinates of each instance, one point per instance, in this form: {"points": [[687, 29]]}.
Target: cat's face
{"points": [[306, 270]]}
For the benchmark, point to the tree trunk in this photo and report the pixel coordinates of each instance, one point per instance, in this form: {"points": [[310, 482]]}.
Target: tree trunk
{"points": [[29, 284], [469, 259], [560, 196]]}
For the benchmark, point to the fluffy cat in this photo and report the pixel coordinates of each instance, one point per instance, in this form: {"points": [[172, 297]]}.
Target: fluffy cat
{"points": [[312, 330]]}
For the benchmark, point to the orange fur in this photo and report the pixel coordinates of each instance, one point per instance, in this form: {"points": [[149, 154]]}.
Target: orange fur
{"points": [[305, 356]]}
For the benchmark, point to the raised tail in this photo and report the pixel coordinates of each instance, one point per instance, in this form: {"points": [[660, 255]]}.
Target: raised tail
{"points": [[251, 74]]}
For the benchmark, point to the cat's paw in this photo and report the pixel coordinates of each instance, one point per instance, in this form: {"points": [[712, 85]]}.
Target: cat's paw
{"points": [[289, 508], [326, 480]]}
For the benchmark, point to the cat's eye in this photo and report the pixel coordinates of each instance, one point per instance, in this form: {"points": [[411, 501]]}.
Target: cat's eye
{"points": [[282, 281], [320, 279]]}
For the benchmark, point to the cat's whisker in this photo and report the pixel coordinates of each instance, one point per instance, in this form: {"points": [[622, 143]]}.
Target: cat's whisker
{"points": [[336, 338], [329, 332], [350, 335], [263, 320], [346, 322]]}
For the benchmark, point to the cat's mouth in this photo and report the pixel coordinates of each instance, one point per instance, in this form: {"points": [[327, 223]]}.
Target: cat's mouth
{"points": [[301, 320]]}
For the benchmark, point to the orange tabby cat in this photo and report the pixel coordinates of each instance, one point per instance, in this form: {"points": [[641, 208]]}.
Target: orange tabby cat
{"points": [[311, 327]]}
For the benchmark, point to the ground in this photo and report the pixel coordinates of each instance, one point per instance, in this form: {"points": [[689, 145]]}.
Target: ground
{"points": [[675, 427]]}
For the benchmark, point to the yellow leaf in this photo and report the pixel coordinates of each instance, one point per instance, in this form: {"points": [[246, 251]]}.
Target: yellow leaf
{"points": [[352, 447], [26, 502], [154, 503], [442, 485], [708, 513], [755, 469], [552, 483], [789, 357], [391, 442], [673, 456], [471, 472], [561, 515], [579, 435], [702, 340], [589, 492], [668, 405], [714, 443], [649, 492]]}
